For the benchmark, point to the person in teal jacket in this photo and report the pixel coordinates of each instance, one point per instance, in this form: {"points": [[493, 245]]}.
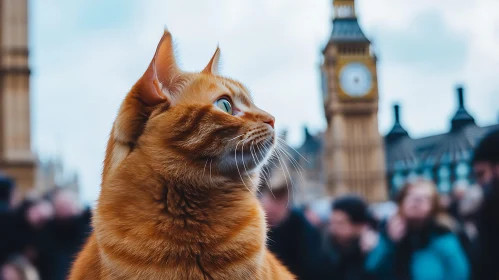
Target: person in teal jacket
{"points": [[418, 243]]}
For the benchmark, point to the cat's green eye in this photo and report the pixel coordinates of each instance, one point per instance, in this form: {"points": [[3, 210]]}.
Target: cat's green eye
{"points": [[224, 105]]}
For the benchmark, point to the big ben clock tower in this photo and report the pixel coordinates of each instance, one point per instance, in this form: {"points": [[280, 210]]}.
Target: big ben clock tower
{"points": [[354, 158], [16, 158]]}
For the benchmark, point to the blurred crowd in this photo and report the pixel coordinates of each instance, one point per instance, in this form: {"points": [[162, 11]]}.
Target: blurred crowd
{"points": [[39, 237], [427, 235]]}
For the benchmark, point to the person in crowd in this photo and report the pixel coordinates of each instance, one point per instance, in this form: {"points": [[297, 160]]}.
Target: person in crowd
{"points": [[458, 192], [291, 237], [419, 243], [486, 170], [468, 211], [18, 268], [445, 200], [25, 226], [6, 187], [312, 217], [64, 235], [349, 240]]}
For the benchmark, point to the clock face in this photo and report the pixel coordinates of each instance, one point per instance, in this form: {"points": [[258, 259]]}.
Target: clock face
{"points": [[356, 79]]}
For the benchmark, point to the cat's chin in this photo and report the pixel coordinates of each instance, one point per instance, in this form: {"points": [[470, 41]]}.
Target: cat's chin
{"points": [[240, 164]]}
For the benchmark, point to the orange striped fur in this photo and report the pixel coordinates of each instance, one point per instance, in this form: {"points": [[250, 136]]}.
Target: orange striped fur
{"points": [[179, 180]]}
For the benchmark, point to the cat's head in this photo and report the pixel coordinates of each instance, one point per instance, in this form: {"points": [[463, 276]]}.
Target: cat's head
{"points": [[202, 121]]}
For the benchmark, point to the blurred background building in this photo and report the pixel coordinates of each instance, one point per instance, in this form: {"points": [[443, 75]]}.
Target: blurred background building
{"points": [[444, 158], [17, 160], [353, 148], [16, 157]]}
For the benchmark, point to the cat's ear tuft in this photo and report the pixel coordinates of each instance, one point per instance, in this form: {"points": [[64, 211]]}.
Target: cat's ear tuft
{"points": [[213, 65], [159, 78]]}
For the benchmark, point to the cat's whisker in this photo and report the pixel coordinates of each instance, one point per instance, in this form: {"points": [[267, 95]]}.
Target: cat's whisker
{"points": [[252, 155], [204, 168], [211, 161], [244, 164], [263, 169], [275, 156], [237, 165], [242, 159], [298, 168], [260, 151], [293, 162], [283, 166], [236, 137], [284, 143], [285, 169], [289, 156], [266, 173], [254, 160]]}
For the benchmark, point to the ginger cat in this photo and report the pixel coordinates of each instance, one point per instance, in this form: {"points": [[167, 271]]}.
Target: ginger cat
{"points": [[178, 186]]}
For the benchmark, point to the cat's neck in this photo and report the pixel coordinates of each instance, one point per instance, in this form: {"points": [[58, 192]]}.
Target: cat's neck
{"points": [[186, 201], [199, 202]]}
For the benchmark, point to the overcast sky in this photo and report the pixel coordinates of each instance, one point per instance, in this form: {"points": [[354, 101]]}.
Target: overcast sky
{"points": [[85, 56]]}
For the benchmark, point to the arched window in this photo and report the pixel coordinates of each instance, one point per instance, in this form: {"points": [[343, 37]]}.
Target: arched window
{"points": [[444, 172], [413, 174], [399, 165], [397, 181], [462, 171], [466, 154], [444, 178], [445, 158], [428, 174]]}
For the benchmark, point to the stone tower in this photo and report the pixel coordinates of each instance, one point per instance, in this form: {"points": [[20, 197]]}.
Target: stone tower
{"points": [[16, 158], [354, 157]]}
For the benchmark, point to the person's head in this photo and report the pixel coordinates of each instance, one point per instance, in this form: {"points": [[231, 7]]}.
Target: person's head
{"points": [[486, 159], [445, 200], [38, 212], [418, 200], [348, 218], [275, 199], [18, 268], [275, 205], [470, 204], [311, 216], [66, 204], [459, 191]]}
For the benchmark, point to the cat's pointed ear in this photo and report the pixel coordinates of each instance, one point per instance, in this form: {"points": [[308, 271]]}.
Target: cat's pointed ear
{"points": [[212, 67], [159, 77]]}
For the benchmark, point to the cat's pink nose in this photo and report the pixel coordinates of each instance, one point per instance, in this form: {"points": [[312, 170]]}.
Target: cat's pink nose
{"points": [[270, 121]]}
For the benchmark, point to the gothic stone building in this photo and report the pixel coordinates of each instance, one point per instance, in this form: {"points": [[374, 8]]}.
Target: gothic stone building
{"points": [[444, 158]]}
